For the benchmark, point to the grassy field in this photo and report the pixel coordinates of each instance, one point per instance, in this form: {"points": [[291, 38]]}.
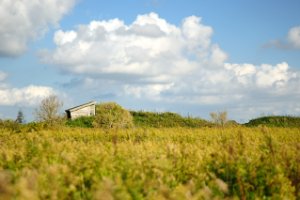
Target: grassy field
{"points": [[150, 163]]}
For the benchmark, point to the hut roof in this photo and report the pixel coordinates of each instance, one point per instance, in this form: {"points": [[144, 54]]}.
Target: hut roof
{"points": [[81, 106]]}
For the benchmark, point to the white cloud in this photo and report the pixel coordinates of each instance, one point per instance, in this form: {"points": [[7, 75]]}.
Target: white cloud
{"points": [[61, 38], [150, 46], [24, 20], [28, 96], [152, 59], [218, 56], [292, 40], [269, 75], [195, 33], [264, 76], [151, 91], [294, 37]]}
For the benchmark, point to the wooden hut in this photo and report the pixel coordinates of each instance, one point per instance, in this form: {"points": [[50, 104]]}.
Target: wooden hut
{"points": [[87, 109]]}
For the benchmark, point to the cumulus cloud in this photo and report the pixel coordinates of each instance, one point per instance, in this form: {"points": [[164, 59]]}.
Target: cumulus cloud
{"points": [[150, 46], [292, 40], [28, 96], [294, 37], [264, 76], [24, 20], [153, 59]]}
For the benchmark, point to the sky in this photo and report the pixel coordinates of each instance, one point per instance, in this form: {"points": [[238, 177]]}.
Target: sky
{"points": [[192, 57]]}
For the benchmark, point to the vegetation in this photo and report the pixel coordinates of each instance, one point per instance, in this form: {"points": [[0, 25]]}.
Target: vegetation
{"points": [[20, 117], [146, 120], [48, 111], [219, 118], [10, 125], [275, 121], [150, 163], [83, 122], [161, 157], [166, 119], [111, 115]]}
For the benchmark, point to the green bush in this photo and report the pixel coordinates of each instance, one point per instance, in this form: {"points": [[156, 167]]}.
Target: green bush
{"points": [[83, 122], [111, 115]]}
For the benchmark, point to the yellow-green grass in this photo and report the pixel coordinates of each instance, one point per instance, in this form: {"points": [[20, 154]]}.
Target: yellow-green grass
{"points": [[170, 163]]}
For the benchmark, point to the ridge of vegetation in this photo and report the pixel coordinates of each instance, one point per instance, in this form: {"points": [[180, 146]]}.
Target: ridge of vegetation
{"points": [[166, 119], [275, 121]]}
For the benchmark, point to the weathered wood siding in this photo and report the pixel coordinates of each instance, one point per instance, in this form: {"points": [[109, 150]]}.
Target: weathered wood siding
{"points": [[86, 111]]}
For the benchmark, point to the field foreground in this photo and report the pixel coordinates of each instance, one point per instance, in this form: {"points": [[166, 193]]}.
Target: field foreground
{"points": [[181, 163]]}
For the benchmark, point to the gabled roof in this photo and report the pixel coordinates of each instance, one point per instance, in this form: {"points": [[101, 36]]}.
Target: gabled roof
{"points": [[81, 106]]}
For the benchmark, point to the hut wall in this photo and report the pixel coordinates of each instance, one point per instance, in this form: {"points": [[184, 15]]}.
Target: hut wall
{"points": [[86, 111]]}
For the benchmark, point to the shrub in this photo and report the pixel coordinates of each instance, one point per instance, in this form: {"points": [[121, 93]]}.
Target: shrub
{"points": [[83, 122], [219, 118], [111, 115]]}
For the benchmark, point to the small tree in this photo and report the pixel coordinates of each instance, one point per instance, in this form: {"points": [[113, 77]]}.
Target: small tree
{"points": [[219, 118], [48, 111], [20, 117], [111, 115]]}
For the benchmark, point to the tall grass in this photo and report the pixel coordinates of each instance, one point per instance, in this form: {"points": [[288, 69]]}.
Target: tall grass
{"points": [[150, 163]]}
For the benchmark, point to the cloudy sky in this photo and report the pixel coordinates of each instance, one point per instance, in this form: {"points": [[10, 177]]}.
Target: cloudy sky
{"points": [[191, 57]]}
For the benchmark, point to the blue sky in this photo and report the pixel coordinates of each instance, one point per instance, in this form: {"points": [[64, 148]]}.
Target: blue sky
{"points": [[190, 57]]}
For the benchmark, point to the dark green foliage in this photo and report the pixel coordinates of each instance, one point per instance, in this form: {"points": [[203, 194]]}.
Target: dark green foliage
{"points": [[20, 117], [275, 121], [84, 122], [166, 119]]}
